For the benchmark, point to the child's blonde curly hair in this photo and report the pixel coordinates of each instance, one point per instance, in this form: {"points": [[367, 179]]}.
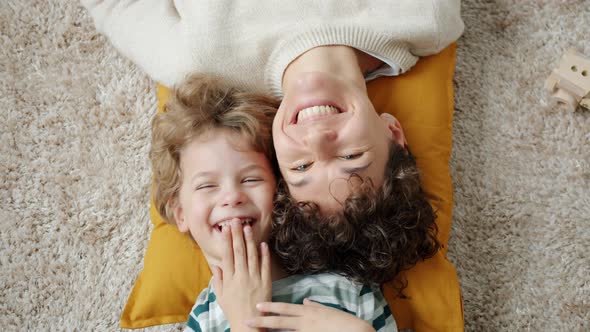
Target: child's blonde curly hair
{"points": [[199, 105]]}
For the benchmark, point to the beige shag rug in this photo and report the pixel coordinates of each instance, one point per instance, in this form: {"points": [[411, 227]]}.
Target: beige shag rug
{"points": [[74, 172]]}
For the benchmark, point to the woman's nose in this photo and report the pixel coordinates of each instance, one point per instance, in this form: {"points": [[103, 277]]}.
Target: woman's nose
{"points": [[319, 140]]}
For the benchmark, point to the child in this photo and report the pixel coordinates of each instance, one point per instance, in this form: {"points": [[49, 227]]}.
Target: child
{"points": [[214, 177]]}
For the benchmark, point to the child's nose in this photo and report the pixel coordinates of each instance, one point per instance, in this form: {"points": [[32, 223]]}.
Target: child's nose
{"points": [[234, 198]]}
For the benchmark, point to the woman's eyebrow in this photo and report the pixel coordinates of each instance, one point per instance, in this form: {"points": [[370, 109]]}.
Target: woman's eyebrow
{"points": [[351, 170], [346, 170]]}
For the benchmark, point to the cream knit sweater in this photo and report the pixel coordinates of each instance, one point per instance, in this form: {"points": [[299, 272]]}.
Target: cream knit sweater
{"points": [[250, 43]]}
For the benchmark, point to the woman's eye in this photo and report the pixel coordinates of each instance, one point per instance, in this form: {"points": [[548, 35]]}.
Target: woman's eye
{"points": [[252, 180], [352, 156], [301, 168]]}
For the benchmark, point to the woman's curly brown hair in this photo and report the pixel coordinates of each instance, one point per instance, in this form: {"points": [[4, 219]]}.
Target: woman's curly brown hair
{"points": [[379, 233]]}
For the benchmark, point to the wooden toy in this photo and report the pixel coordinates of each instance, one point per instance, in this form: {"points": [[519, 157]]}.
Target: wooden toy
{"points": [[569, 84]]}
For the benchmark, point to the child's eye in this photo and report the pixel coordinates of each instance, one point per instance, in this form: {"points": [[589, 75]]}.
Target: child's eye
{"points": [[352, 156], [251, 180], [205, 186], [302, 168]]}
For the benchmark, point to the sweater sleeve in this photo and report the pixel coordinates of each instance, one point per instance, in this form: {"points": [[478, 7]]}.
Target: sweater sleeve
{"points": [[447, 27], [147, 32]]}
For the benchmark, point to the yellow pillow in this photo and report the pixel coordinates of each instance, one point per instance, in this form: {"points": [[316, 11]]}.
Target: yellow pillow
{"points": [[175, 271]]}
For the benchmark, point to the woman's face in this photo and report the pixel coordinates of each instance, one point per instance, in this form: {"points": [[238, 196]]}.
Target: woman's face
{"points": [[326, 129]]}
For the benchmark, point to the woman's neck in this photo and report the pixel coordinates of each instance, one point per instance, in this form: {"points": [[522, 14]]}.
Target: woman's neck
{"points": [[342, 61]]}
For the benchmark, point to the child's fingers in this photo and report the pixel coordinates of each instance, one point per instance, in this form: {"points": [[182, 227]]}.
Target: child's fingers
{"points": [[265, 264], [227, 255], [275, 322], [217, 280], [281, 308], [252, 253], [310, 303], [239, 248]]}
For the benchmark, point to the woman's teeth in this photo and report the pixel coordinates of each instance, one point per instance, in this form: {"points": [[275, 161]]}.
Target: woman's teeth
{"points": [[227, 223], [316, 112]]}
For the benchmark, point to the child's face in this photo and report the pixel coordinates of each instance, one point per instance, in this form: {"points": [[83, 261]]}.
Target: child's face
{"points": [[221, 181]]}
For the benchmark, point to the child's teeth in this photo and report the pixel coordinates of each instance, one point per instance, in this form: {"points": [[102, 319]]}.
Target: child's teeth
{"points": [[246, 221]]}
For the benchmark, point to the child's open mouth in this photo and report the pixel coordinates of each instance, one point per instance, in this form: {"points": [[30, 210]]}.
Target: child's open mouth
{"points": [[226, 223]]}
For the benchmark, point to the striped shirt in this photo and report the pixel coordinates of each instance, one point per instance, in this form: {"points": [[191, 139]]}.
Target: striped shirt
{"points": [[329, 289]]}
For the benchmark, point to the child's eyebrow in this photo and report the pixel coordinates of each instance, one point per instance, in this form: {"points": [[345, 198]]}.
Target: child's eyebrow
{"points": [[201, 174], [251, 167], [247, 168]]}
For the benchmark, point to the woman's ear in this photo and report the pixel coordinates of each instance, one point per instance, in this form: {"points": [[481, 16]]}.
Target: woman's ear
{"points": [[179, 217], [396, 133]]}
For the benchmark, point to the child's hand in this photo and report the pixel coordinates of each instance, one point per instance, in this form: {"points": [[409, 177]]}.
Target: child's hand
{"points": [[242, 281], [310, 316]]}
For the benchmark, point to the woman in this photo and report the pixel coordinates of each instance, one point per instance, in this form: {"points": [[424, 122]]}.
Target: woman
{"points": [[288, 49]]}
